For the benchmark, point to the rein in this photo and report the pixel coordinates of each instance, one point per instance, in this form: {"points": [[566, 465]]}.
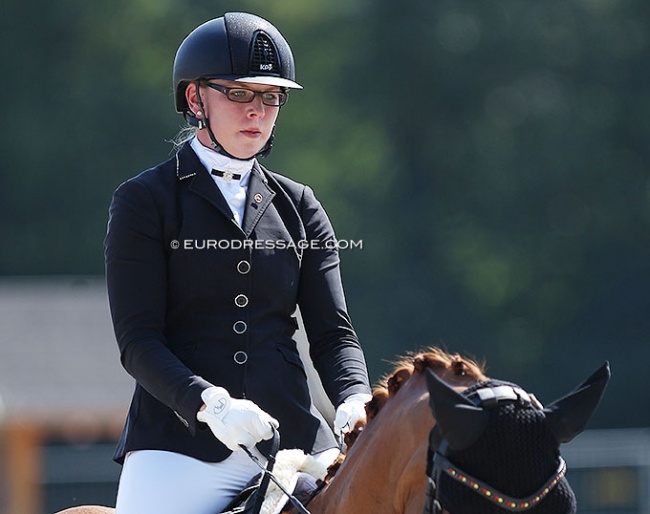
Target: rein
{"points": [[437, 462]]}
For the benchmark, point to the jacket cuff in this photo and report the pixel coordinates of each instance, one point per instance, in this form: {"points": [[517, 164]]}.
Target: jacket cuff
{"points": [[191, 404]]}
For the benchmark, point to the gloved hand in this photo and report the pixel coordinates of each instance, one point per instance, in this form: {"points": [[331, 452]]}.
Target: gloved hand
{"points": [[234, 421], [350, 411]]}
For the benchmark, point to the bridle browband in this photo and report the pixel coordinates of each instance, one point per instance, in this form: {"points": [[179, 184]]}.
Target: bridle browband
{"points": [[437, 462]]}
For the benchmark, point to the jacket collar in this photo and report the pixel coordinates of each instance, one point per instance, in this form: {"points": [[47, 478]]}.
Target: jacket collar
{"points": [[187, 163], [258, 197]]}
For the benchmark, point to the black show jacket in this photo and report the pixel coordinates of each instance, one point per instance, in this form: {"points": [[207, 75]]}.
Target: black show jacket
{"points": [[198, 301]]}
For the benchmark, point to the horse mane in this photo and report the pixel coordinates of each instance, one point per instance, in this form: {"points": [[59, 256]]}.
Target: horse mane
{"points": [[433, 358]]}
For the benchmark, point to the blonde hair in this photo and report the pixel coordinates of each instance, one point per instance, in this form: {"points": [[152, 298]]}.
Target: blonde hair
{"points": [[185, 134]]}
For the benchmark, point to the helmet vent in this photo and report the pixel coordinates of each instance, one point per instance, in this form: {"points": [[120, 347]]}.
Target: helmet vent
{"points": [[264, 58]]}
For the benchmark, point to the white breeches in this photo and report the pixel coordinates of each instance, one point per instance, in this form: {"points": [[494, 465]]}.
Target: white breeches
{"points": [[171, 483]]}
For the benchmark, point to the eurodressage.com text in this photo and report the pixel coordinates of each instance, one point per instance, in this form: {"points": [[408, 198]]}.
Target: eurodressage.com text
{"points": [[266, 244]]}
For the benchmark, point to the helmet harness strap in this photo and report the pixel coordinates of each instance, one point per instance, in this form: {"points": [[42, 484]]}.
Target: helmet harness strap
{"points": [[205, 123]]}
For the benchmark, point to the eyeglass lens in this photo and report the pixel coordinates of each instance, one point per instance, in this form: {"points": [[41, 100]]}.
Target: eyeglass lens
{"points": [[271, 98]]}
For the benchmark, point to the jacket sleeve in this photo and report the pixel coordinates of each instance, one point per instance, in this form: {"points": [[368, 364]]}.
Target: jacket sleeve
{"points": [[334, 346], [136, 276]]}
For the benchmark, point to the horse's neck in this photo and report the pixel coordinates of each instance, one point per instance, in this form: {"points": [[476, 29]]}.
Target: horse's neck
{"points": [[385, 472]]}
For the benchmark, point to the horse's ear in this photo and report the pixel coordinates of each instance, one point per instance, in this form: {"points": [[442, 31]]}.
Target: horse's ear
{"points": [[459, 420], [568, 416]]}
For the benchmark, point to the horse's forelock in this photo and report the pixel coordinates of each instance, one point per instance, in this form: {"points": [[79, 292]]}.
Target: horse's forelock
{"points": [[435, 359]]}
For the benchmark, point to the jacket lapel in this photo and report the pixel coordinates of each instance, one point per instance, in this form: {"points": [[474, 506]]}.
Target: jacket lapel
{"points": [[258, 198], [189, 167]]}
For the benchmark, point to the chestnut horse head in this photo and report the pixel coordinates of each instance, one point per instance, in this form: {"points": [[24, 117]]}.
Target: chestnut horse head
{"points": [[491, 449], [494, 449], [384, 469]]}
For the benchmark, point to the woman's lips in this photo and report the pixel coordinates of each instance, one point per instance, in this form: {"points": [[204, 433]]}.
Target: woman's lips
{"points": [[252, 133]]}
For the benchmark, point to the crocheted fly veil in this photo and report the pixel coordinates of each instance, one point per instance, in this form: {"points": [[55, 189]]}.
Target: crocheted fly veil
{"points": [[494, 451]]}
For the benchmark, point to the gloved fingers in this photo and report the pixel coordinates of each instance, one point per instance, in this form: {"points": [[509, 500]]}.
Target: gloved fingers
{"points": [[260, 425], [247, 427], [209, 393], [216, 400], [222, 432], [250, 416], [347, 415], [201, 417], [341, 425], [342, 419], [232, 443], [246, 439], [266, 428], [268, 421], [273, 422], [205, 416]]}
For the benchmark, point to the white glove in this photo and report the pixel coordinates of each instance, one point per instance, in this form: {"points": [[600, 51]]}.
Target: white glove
{"points": [[234, 421], [350, 411]]}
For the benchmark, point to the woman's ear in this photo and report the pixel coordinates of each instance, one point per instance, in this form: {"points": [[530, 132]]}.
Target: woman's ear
{"points": [[191, 97]]}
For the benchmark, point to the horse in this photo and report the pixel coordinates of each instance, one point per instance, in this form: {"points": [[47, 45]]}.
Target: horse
{"points": [[422, 447]]}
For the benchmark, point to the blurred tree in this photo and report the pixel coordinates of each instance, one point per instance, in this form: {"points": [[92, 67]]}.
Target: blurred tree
{"points": [[523, 179]]}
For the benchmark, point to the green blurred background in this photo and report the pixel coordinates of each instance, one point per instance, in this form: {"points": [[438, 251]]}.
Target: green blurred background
{"points": [[493, 157]]}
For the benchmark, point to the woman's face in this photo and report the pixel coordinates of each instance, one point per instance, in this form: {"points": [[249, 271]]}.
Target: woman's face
{"points": [[241, 128]]}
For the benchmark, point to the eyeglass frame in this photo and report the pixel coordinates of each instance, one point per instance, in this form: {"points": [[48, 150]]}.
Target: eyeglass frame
{"points": [[282, 94]]}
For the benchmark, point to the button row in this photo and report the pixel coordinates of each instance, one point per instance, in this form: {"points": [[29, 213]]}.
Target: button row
{"points": [[241, 300]]}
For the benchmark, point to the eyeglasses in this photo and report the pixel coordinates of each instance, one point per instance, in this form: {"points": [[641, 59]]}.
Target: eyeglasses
{"points": [[244, 96]]}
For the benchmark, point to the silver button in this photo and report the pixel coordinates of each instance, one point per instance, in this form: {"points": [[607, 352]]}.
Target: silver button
{"points": [[241, 300], [243, 267], [239, 327], [240, 357]]}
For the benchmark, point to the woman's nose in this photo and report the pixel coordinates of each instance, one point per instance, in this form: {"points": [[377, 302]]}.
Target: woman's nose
{"points": [[256, 107]]}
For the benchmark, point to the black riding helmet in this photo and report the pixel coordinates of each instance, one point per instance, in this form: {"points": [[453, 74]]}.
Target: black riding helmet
{"points": [[237, 46]]}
